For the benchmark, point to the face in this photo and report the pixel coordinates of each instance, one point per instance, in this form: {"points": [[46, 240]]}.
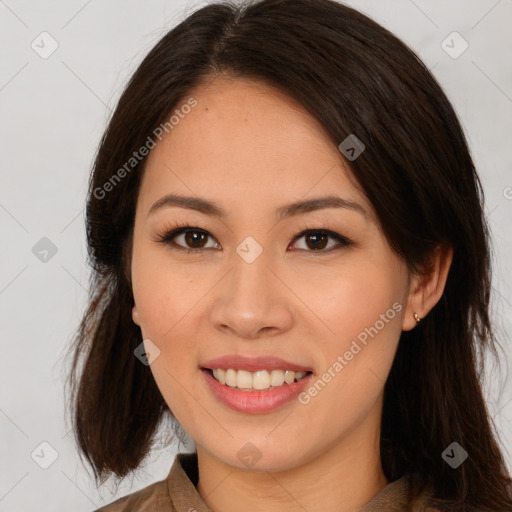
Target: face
{"points": [[317, 286]]}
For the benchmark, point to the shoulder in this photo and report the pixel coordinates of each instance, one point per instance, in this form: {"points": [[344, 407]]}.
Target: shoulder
{"points": [[150, 498], [404, 494], [165, 495]]}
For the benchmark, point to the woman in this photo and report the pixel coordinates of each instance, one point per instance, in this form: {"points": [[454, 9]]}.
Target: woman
{"points": [[291, 262]]}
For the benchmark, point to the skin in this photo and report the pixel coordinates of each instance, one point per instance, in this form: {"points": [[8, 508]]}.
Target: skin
{"points": [[251, 149]]}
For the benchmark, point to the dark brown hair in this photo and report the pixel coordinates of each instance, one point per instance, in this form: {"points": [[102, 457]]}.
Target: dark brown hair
{"points": [[355, 77]]}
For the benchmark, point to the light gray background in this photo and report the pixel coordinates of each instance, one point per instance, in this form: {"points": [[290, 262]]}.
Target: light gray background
{"points": [[53, 112]]}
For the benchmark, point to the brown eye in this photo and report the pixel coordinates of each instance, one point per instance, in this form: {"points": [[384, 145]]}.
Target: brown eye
{"points": [[319, 241], [195, 239], [188, 239]]}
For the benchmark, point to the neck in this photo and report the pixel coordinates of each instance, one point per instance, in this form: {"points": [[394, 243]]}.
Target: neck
{"points": [[344, 477]]}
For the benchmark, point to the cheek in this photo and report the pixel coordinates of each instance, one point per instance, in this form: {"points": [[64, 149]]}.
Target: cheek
{"points": [[361, 309], [165, 304], [167, 301], [346, 301], [164, 295]]}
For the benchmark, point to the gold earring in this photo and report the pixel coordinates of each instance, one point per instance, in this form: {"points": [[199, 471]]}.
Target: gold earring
{"points": [[417, 318]]}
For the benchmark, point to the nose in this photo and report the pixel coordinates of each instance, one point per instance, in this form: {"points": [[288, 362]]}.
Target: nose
{"points": [[252, 301]]}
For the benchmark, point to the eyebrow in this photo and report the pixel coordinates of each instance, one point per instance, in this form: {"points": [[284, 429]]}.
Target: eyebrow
{"points": [[300, 207]]}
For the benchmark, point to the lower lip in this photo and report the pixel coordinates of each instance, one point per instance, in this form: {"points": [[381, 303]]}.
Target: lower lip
{"points": [[255, 401]]}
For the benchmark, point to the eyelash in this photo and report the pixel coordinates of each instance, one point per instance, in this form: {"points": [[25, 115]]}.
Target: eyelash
{"points": [[171, 231]]}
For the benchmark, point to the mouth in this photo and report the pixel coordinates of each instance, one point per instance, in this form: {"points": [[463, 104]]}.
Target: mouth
{"points": [[261, 380], [255, 392]]}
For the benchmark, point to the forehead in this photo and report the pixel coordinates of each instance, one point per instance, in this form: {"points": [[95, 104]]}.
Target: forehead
{"points": [[247, 140]]}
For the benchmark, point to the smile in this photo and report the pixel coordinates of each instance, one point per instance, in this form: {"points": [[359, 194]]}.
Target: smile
{"points": [[244, 380], [249, 400]]}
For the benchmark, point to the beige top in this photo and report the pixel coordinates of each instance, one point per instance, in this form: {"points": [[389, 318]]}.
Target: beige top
{"points": [[177, 493]]}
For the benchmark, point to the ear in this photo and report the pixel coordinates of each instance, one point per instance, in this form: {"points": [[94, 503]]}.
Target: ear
{"points": [[135, 316], [426, 288]]}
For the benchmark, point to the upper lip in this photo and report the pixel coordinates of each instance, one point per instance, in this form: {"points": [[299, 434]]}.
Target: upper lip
{"points": [[253, 364]]}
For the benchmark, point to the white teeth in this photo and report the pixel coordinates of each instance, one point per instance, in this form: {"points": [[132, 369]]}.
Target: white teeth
{"points": [[244, 379], [277, 378], [220, 375], [231, 378], [289, 376], [260, 380]]}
